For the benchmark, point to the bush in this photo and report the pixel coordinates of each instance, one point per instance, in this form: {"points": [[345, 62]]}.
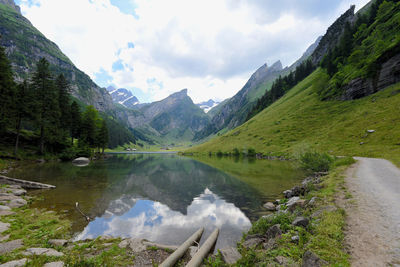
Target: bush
{"points": [[236, 152], [317, 162], [251, 152], [68, 154], [220, 154]]}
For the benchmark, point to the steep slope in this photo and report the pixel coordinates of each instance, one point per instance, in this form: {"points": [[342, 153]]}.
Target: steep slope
{"points": [[123, 97], [233, 112], [175, 118], [299, 120], [25, 45]]}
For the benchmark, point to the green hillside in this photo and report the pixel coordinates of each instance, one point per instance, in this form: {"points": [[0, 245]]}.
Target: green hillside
{"points": [[299, 121]]}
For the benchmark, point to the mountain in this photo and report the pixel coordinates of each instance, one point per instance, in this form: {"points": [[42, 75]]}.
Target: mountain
{"points": [[233, 112], [25, 45], [123, 97], [175, 118], [207, 105], [365, 86]]}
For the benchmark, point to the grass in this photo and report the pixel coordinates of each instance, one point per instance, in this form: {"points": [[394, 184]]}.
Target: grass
{"points": [[300, 121]]}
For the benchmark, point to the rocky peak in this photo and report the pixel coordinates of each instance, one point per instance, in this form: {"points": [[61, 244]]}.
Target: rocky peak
{"points": [[179, 95], [12, 4], [277, 66]]}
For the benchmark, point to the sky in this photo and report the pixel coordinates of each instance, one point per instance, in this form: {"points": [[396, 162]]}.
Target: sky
{"points": [[157, 47]]}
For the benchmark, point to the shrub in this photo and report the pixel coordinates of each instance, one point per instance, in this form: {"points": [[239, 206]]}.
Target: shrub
{"points": [[236, 152], [220, 154], [251, 152], [317, 162]]}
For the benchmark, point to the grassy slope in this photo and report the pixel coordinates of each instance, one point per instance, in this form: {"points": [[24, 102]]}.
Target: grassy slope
{"points": [[299, 120]]}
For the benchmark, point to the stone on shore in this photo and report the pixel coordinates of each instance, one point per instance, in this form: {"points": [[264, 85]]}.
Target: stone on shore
{"points": [[312, 260], [4, 227], [5, 208], [301, 221], [134, 244], [253, 241], [273, 231], [10, 246], [81, 161], [54, 264], [230, 255], [43, 251], [269, 206], [58, 242], [17, 203], [15, 263]]}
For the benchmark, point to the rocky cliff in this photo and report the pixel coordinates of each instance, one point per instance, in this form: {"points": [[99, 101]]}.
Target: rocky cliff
{"points": [[332, 35], [388, 73], [25, 45]]}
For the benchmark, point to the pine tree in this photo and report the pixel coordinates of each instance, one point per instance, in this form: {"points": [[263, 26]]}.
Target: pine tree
{"points": [[7, 92], [75, 123], [90, 121], [23, 110], [102, 137], [63, 102], [46, 102]]}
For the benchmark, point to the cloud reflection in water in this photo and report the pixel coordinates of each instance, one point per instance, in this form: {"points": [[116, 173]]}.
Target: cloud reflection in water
{"points": [[157, 222]]}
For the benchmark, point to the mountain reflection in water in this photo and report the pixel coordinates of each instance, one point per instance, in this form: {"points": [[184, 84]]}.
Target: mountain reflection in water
{"points": [[157, 222], [162, 198]]}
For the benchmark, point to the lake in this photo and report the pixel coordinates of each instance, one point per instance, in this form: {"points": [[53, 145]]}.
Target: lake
{"points": [[162, 197]]}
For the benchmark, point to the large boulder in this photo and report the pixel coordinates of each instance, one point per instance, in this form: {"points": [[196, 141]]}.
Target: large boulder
{"points": [[273, 231], [301, 221], [81, 161], [16, 263], [10, 246], [134, 244], [43, 251]]}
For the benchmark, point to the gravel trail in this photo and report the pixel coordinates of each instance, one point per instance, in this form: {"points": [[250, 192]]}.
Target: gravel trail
{"points": [[373, 213]]}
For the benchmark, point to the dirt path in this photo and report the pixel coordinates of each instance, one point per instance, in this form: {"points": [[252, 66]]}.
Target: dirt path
{"points": [[373, 221]]}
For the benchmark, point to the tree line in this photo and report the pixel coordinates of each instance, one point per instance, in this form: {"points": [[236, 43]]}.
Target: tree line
{"points": [[282, 85], [44, 107]]}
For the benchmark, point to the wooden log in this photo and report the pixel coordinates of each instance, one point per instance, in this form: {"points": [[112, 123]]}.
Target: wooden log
{"points": [[174, 257], [197, 259], [24, 183]]}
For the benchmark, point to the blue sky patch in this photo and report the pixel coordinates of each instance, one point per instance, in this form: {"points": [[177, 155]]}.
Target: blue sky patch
{"points": [[117, 65], [126, 7], [131, 45], [103, 78]]}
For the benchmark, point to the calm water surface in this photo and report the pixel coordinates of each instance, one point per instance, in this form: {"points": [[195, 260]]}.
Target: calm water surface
{"points": [[163, 198]]}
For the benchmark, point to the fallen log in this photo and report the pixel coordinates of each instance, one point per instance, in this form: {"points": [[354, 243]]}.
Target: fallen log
{"points": [[197, 259], [24, 183], [174, 257]]}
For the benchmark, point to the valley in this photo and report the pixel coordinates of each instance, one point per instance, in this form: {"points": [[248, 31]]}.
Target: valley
{"points": [[297, 165]]}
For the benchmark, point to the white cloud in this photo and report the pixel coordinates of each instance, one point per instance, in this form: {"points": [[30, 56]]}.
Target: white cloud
{"points": [[210, 47]]}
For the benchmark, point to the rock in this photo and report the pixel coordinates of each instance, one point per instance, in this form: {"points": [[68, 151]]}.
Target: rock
{"points": [[270, 244], [58, 242], [312, 201], [4, 227], [292, 200], [10, 246], [295, 239], [14, 186], [41, 161], [16, 203], [268, 217], [273, 231], [252, 242], [301, 221], [269, 206], [43, 251], [5, 208], [312, 260], [298, 203], [322, 210], [230, 255], [298, 191], [15, 263], [370, 131], [54, 264], [281, 260], [4, 197], [134, 244], [18, 192], [276, 202], [81, 161], [287, 193], [4, 238], [6, 212]]}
